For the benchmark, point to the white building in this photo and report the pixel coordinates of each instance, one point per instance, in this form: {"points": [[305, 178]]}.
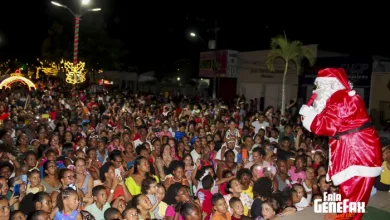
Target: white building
{"points": [[256, 81]]}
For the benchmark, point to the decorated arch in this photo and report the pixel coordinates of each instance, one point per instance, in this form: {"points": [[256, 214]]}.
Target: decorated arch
{"points": [[17, 77]]}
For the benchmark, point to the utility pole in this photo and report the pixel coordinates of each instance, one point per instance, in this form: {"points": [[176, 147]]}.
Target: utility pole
{"points": [[215, 30]]}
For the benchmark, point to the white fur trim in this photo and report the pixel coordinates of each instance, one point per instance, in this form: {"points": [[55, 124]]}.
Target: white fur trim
{"points": [[355, 170], [326, 79], [352, 93], [308, 118]]}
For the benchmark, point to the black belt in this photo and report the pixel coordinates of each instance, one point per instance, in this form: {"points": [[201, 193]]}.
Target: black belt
{"points": [[364, 126]]}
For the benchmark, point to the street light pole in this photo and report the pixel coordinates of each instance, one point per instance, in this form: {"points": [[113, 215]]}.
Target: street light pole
{"points": [[215, 30], [76, 40], [77, 25]]}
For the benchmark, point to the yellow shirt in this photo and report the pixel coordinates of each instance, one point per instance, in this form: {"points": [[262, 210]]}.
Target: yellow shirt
{"points": [[162, 207], [132, 186], [249, 191], [385, 175]]}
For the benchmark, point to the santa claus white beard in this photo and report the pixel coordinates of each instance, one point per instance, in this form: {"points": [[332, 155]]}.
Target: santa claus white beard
{"points": [[326, 87]]}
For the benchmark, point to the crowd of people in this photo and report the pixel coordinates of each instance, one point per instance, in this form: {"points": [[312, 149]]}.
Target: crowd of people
{"points": [[69, 153]]}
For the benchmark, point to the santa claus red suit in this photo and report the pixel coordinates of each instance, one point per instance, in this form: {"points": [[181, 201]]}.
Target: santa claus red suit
{"points": [[354, 146]]}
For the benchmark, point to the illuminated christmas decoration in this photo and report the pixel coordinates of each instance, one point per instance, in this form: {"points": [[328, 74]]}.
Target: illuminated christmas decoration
{"points": [[30, 73], [75, 73], [105, 82], [17, 77], [4, 67], [50, 69]]}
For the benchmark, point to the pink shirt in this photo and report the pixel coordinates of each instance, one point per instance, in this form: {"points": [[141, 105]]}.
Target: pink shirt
{"points": [[296, 175], [171, 212], [111, 148], [162, 134]]}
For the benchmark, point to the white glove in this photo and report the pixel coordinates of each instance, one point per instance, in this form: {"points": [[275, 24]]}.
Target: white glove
{"points": [[304, 111]]}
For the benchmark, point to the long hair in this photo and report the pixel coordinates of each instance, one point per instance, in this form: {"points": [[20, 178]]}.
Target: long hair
{"points": [[63, 195]]}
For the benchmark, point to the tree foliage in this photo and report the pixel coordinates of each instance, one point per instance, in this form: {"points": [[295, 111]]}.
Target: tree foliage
{"points": [[289, 51], [58, 44]]}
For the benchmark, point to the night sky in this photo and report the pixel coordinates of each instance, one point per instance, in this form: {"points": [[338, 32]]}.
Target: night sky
{"points": [[162, 35]]}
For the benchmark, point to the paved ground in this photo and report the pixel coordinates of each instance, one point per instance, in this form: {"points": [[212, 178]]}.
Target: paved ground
{"points": [[380, 201]]}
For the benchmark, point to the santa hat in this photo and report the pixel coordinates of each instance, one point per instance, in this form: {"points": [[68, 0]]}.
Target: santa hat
{"points": [[338, 74]]}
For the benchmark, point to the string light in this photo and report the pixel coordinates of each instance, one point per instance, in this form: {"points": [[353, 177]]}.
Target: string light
{"points": [[50, 69], [17, 77], [4, 67], [74, 73]]}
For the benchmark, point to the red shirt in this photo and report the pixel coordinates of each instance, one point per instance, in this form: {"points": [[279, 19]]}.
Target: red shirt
{"points": [[4, 116], [206, 196], [118, 192]]}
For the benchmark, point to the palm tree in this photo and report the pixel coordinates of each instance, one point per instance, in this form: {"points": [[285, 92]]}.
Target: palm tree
{"points": [[289, 51]]}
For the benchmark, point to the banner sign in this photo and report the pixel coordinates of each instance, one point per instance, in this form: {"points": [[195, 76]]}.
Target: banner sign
{"points": [[223, 63], [358, 69]]}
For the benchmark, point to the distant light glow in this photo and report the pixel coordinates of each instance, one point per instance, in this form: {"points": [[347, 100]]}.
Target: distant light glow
{"points": [[85, 2], [192, 34], [58, 4], [178, 78], [96, 9]]}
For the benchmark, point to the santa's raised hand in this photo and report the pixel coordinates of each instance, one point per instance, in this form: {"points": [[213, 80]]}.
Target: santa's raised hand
{"points": [[306, 110]]}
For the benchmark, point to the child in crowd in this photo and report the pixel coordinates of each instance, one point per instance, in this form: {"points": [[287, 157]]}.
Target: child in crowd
{"points": [[177, 175], [299, 197], [189, 211], [297, 172], [220, 207], [237, 207], [67, 202], [270, 208], [162, 207], [382, 183], [130, 213], [112, 214], [100, 205], [34, 180], [149, 188], [205, 195], [317, 160], [38, 214]]}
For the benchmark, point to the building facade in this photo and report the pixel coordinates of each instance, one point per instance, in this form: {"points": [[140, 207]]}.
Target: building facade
{"points": [[370, 77], [379, 106], [255, 81]]}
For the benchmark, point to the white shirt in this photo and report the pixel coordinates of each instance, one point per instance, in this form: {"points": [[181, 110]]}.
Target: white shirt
{"points": [[194, 155], [259, 125], [302, 204], [271, 139], [218, 156]]}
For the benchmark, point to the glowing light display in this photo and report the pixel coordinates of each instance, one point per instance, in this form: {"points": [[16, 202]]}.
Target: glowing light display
{"points": [[50, 69], [4, 67], [105, 82], [17, 77], [75, 73]]}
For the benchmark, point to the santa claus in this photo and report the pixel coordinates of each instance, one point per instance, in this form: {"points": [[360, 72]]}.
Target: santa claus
{"points": [[354, 146]]}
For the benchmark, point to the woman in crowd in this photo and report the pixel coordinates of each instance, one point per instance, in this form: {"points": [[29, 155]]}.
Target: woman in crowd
{"points": [[123, 138]]}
